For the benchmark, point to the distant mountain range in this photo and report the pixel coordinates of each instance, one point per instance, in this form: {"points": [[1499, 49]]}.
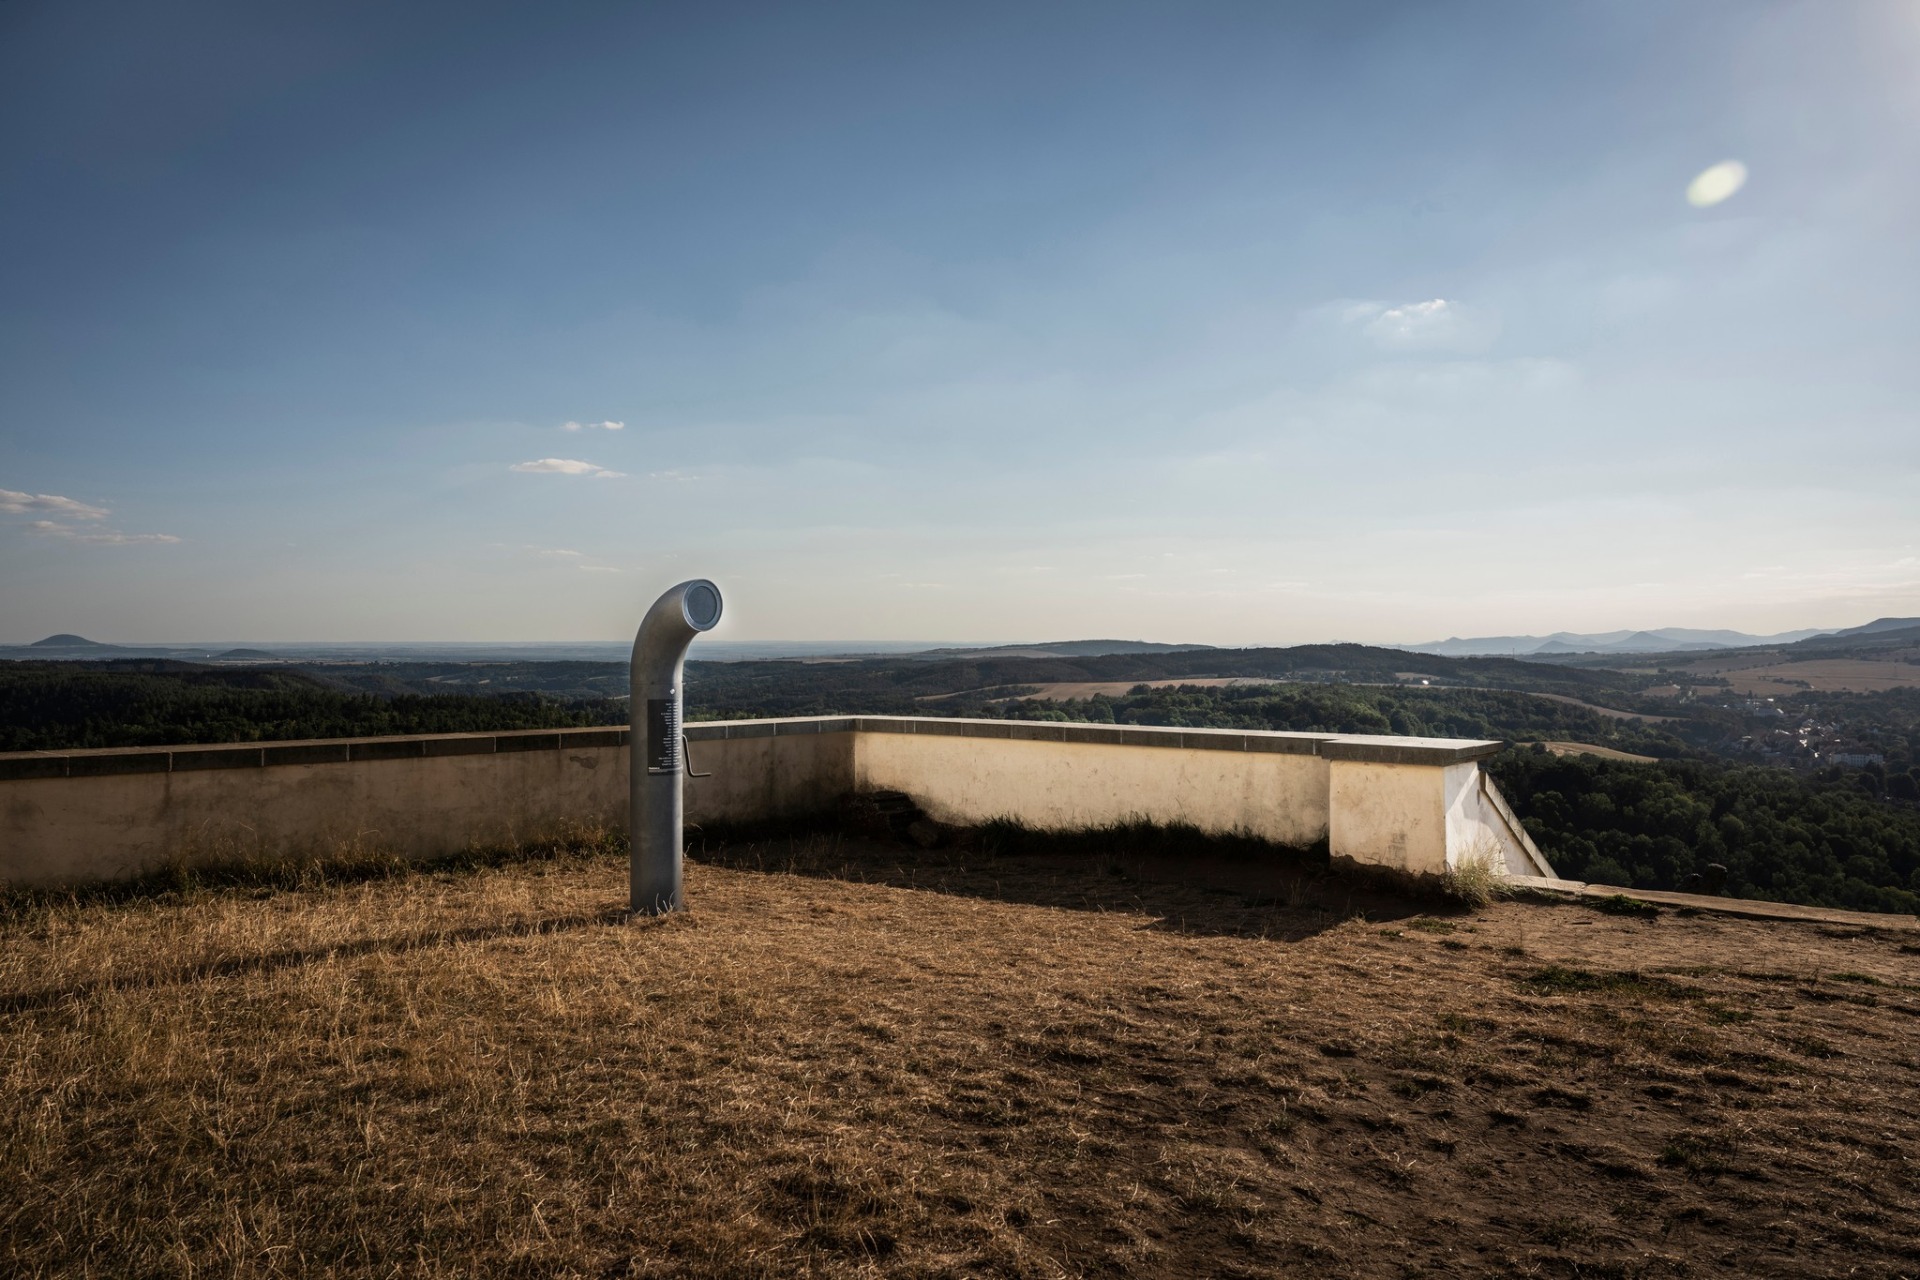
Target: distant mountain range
{"points": [[1660, 640], [67, 647]]}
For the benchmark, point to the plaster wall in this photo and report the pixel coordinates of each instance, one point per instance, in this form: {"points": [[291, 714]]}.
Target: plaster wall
{"points": [[59, 829], [1476, 828], [128, 824], [762, 777], [1077, 784], [1409, 805], [1390, 816]]}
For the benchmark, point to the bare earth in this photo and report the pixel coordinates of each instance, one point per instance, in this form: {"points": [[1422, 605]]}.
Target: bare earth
{"points": [[1588, 749], [852, 1059]]}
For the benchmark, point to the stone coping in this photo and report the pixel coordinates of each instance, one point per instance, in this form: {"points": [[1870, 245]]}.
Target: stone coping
{"points": [[1748, 908], [98, 762]]}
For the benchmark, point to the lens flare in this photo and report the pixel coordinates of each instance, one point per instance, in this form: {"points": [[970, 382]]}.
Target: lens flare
{"points": [[1716, 184]]}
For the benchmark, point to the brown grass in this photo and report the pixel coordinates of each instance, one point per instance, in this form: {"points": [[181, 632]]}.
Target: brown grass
{"points": [[850, 1058]]}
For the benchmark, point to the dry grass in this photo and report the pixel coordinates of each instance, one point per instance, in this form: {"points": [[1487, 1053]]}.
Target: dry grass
{"points": [[1477, 878], [855, 1059]]}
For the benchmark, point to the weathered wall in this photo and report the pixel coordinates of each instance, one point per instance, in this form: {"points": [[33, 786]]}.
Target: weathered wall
{"points": [[1079, 781], [758, 773], [1391, 816], [117, 814], [123, 824], [1481, 826], [1408, 804]]}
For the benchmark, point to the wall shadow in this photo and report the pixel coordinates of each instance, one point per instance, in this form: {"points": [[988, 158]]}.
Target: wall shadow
{"points": [[1278, 894], [273, 961]]}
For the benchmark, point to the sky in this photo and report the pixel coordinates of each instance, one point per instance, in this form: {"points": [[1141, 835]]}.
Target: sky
{"points": [[1229, 323]]}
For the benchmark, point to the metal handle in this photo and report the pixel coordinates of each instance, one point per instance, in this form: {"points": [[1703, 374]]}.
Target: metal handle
{"points": [[686, 759]]}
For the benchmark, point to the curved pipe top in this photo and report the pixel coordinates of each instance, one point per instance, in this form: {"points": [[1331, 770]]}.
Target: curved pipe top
{"points": [[656, 805], [659, 647]]}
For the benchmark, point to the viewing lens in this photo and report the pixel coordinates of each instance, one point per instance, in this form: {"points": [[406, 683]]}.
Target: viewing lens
{"points": [[702, 605]]}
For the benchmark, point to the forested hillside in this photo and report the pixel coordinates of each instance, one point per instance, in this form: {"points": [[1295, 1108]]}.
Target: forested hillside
{"points": [[58, 706], [1827, 839]]}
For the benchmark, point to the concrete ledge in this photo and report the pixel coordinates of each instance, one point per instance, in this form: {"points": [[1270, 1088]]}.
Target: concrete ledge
{"points": [[95, 766], [104, 761], [458, 744], [391, 749], [1745, 908], [235, 757], [1383, 749], [31, 764]]}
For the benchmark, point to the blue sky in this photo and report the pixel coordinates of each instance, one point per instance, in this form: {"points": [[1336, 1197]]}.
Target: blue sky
{"points": [[1235, 323]]}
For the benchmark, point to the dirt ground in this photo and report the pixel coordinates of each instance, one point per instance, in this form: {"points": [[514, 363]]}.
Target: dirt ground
{"points": [[856, 1059]]}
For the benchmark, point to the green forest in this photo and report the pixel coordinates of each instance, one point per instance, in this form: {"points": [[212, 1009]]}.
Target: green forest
{"points": [[1826, 839], [66, 705], [1839, 838]]}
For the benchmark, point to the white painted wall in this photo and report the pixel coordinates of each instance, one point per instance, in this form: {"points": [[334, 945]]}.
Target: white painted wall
{"points": [[1406, 805], [1071, 785]]}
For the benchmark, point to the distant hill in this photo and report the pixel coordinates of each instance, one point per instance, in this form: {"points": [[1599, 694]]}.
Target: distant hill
{"points": [[1881, 624], [1659, 640], [1872, 639], [66, 640], [1064, 649]]}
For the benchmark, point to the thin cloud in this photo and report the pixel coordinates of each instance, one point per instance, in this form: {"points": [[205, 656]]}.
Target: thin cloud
{"points": [[1437, 324], [56, 512], [593, 426], [51, 504], [99, 537], [566, 467], [677, 476]]}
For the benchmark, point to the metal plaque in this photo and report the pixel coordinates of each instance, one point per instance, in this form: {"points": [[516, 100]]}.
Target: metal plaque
{"points": [[663, 735]]}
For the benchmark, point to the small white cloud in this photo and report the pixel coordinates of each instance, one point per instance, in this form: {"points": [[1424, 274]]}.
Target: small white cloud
{"points": [[561, 552], [21, 504], [1437, 324], [678, 476], [1712, 185], [566, 467], [99, 537], [1416, 324], [593, 426]]}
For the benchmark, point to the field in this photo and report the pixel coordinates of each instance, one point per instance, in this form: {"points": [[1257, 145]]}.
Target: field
{"points": [[1067, 690], [1588, 749], [1823, 675], [853, 1059]]}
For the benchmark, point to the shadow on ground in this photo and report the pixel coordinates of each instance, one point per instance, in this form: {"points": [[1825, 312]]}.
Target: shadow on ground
{"points": [[1198, 886], [291, 958]]}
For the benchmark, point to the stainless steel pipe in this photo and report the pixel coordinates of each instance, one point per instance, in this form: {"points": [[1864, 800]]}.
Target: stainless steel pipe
{"points": [[659, 750]]}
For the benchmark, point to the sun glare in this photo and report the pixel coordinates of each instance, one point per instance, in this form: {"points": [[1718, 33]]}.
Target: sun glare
{"points": [[1716, 184]]}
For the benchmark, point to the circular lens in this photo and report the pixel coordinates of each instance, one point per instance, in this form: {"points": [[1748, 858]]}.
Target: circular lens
{"points": [[702, 603]]}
